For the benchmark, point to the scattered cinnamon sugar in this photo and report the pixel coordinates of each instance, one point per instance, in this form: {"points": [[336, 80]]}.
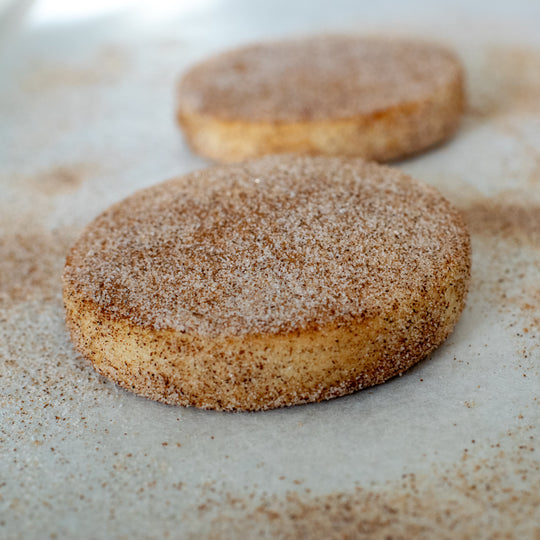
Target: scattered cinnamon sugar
{"points": [[529, 304], [490, 497], [31, 262], [516, 221], [506, 229], [59, 179], [514, 83]]}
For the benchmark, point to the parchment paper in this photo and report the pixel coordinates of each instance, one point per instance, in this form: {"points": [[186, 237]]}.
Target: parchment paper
{"points": [[449, 449]]}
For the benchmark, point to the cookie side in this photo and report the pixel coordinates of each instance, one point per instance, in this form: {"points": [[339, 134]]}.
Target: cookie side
{"points": [[384, 135]]}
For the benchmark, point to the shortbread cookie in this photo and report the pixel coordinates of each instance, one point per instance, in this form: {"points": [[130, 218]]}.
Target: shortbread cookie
{"points": [[332, 95], [279, 281]]}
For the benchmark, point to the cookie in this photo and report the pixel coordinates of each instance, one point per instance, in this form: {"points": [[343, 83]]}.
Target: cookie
{"points": [[279, 281], [331, 95]]}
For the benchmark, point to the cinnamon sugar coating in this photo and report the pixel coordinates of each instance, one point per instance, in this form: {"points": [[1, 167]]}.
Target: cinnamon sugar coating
{"points": [[277, 260], [269, 246]]}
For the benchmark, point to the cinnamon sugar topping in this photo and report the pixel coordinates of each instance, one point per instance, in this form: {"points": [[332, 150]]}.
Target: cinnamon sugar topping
{"points": [[272, 245], [317, 78]]}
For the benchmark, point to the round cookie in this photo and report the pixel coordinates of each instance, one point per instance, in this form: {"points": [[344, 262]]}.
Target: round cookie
{"points": [[333, 95], [279, 281]]}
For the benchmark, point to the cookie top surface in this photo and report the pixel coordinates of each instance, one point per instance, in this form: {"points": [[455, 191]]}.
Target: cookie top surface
{"points": [[317, 78], [273, 245]]}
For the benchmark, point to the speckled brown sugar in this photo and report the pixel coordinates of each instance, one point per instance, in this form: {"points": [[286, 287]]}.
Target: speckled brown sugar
{"points": [[273, 245], [317, 78]]}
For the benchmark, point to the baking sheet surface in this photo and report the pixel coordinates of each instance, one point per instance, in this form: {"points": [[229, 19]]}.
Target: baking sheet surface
{"points": [[449, 448]]}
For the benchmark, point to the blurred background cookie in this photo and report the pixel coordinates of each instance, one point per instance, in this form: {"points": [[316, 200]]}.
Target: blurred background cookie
{"points": [[379, 99]]}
